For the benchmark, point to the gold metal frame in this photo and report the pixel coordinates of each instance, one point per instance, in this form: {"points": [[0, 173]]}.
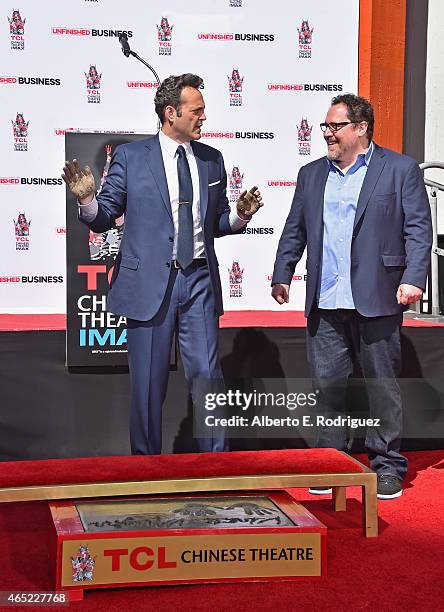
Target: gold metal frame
{"points": [[338, 481]]}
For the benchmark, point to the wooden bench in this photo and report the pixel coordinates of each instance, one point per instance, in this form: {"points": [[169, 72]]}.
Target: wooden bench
{"points": [[52, 479]]}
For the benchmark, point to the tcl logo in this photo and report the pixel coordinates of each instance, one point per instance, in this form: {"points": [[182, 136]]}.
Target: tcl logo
{"points": [[141, 558]]}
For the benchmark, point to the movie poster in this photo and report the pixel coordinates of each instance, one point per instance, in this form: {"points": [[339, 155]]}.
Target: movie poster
{"points": [[95, 337]]}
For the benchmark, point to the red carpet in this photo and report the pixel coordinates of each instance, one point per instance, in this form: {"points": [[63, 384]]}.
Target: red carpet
{"points": [[399, 570], [234, 318]]}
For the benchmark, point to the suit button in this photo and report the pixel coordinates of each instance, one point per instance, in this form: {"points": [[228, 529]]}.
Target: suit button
{"points": [[171, 239], [168, 264]]}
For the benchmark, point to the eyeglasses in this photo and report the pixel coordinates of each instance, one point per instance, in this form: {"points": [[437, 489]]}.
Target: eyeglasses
{"points": [[335, 127]]}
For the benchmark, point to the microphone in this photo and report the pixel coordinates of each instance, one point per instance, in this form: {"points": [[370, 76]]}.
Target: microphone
{"points": [[123, 39]]}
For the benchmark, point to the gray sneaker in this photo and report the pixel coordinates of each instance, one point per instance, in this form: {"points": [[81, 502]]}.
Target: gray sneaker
{"points": [[389, 486]]}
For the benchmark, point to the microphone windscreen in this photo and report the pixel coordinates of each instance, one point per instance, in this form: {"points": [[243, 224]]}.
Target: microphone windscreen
{"points": [[123, 39]]}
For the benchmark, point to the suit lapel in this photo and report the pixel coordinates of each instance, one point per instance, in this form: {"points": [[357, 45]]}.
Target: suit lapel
{"points": [[155, 164], [202, 168], [374, 170], [320, 180]]}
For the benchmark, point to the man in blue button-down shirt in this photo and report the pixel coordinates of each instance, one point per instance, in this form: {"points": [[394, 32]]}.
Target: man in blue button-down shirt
{"points": [[363, 214], [340, 200]]}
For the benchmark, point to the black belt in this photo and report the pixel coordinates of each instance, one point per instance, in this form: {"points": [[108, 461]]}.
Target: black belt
{"points": [[200, 262]]}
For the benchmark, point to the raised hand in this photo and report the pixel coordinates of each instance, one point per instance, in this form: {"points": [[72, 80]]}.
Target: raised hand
{"points": [[248, 203], [80, 182]]}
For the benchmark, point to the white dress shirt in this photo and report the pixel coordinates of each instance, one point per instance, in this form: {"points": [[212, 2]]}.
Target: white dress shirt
{"points": [[168, 147]]}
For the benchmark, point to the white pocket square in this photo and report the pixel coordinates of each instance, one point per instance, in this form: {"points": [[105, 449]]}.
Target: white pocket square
{"points": [[215, 183]]}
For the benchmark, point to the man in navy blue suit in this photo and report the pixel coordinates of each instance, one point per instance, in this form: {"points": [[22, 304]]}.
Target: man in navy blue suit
{"points": [[172, 191], [363, 214]]}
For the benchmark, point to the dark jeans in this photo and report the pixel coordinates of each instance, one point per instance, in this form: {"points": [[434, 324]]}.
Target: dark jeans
{"points": [[335, 339]]}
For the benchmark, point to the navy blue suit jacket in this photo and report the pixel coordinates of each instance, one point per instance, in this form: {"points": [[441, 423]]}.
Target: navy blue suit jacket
{"points": [[136, 185], [392, 233]]}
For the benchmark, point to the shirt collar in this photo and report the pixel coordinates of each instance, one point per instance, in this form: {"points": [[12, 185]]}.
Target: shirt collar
{"points": [[368, 154], [169, 146], [363, 158]]}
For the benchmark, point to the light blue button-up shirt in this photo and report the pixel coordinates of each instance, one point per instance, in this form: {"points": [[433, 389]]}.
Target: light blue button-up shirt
{"points": [[340, 202]]}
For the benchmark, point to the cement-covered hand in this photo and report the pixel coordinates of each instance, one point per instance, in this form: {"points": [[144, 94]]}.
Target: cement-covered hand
{"points": [[248, 203], [80, 182]]}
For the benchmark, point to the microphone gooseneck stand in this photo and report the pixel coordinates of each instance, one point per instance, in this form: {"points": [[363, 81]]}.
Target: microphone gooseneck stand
{"points": [[127, 51]]}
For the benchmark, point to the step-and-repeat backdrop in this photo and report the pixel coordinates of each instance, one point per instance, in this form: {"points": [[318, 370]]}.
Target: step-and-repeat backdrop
{"points": [[270, 70]]}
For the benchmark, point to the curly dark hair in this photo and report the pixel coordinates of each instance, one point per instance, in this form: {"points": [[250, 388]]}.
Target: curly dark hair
{"points": [[358, 109], [169, 92]]}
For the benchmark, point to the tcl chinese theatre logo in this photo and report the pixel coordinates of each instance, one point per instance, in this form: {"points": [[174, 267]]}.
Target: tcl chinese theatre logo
{"points": [[304, 137], [235, 88], [22, 232], [20, 133], [235, 276], [236, 179], [93, 79], [83, 565], [164, 36], [305, 39], [17, 30]]}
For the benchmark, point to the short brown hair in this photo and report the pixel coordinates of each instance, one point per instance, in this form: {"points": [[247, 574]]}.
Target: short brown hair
{"points": [[170, 90]]}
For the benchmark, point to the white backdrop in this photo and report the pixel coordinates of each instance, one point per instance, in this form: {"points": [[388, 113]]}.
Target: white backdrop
{"points": [[43, 63]]}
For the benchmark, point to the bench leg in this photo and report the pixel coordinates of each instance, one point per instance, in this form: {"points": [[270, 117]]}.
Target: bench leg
{"points": [[370, 510], [339, 499]]}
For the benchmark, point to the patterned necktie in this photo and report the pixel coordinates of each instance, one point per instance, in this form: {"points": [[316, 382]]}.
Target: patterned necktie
{"points": [[185, 238]]}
